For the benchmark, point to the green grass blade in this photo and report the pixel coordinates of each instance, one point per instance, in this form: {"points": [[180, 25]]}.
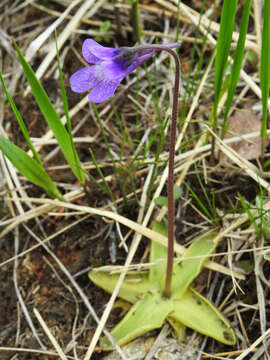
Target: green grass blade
{"points": [[237, 61], [50, 116], [196, 197], [69, 128], [159, 137], [29, 167], [209, 201], [106, 185], [223, 48], [250, 215], [265, 69], [116, 169], [20, 121]]}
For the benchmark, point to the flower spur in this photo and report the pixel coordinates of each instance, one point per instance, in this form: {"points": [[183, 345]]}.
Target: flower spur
{"points": [[109, 67]]}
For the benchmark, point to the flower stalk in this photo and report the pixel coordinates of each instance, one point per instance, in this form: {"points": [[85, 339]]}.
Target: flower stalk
{"points": [[170, 183], [110, 67]]}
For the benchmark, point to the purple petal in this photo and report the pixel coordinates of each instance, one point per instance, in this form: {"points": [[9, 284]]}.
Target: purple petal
{"points": [[103, 91], [86, 78], [93, 52], [112, 70], [116, 69]]}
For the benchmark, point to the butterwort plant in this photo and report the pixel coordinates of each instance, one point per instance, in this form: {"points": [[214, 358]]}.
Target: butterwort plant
{"points": [[161, 294], [109, 66]]}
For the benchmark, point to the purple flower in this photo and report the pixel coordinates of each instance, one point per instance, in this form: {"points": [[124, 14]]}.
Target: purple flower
{"points": [[110, 67]]}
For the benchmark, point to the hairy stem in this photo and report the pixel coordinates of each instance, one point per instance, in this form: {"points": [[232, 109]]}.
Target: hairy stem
{"points": [[170, 184]]}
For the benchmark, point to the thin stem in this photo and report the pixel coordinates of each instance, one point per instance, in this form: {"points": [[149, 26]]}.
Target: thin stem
{"points": [[170, 184]]}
